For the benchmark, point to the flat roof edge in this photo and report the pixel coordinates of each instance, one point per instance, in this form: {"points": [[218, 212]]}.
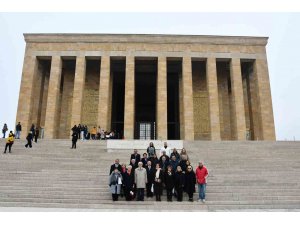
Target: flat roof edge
{"points": [[142, 38]]}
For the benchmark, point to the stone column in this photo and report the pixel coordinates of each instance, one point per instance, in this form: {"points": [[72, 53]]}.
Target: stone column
{"points": [[213, 99], [129, 107], [161, 100], [104, 93], [261, 74], [79, 83], [53, 98], [238, 99], [188, 104], [30, 68]]}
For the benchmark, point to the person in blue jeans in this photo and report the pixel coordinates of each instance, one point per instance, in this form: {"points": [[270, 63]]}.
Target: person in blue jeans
{"points": [[201, 176]]}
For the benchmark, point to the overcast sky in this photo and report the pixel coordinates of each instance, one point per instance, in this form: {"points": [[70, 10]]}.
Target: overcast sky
{"points": [[282, 49]]}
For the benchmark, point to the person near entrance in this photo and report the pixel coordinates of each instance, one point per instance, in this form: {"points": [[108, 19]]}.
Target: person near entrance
{"points": [[29, 140], [140, 179], [166, 149], [201, 176], [151, 151]]}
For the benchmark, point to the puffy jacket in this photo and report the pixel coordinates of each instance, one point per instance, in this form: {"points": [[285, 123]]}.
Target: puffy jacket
{"points": [[201, 174], [10, 139]]}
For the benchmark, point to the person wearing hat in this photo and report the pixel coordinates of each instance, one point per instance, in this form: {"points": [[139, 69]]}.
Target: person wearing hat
{"points": [[9, 142], [29, 140]]}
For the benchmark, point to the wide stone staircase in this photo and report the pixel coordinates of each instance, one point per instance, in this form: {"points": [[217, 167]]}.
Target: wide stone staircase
{"points": [[244, 176]]}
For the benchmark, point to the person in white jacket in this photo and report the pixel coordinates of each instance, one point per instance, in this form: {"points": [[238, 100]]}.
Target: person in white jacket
{"points": [[165, 148]]}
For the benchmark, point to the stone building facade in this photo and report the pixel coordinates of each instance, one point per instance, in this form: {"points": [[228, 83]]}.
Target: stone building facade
{"points": [[188, 87]]}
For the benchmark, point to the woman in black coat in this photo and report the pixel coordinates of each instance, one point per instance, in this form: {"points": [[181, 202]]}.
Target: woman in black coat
{"points": [[179, 183], [190, 181], [128, 184], [169, 182], [158, 180]]}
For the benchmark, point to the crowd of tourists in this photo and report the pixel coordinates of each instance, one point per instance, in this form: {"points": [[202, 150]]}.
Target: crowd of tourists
{"points": [[84, 133], [156, 171]]}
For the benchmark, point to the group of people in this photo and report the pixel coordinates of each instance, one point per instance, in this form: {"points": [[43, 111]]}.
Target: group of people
{"points": [[33, 134], [82, 132], [171, 171]]}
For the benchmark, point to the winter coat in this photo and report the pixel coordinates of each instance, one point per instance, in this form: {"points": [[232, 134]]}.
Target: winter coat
{"points": [[158, 185], [190, 181], [179, 180], [176, 155], [144, 161], [74, 136], [128, 180], [169, 180], [115, 188], [10, 139], [140, 177], [29, 137], [151, 151], [137, 158], [150, 174], [174, 165], [113, 166]]}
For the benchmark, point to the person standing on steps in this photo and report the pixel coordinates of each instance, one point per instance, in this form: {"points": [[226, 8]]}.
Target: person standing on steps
{"points": [[32, 129], [74, 139], [150, 178], [140, 179], [29, 140], [4, 129], [18, 130], [115, 165], [190, 181], [179, 183], [36, 135], [158, 180], [169, 183], [9, 142], [115, 183], [201, 175]]}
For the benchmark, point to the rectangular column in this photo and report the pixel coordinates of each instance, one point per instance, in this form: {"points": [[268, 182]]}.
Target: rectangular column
{"points": [[188, 104], [79, 83], [261, 74], [53, 97], [103, 110], [213, 99], [129, 99], [161, 100], [238, 99], [30, 68]]}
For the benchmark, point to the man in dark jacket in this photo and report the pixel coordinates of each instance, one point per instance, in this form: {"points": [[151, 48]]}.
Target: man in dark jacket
{"points": [[190, 181], [74, 139], [29, 140], [150, 177], [179, 183], [115, 165], [18, 130], [135, 156]]}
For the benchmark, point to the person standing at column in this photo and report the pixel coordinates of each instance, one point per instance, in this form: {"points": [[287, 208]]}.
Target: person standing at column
{"points": [[36, 135], [201, 175], [18, 130], [140, 179], [151, 151], [32, 129], [4, 129], [29, 140], [9, 142]]}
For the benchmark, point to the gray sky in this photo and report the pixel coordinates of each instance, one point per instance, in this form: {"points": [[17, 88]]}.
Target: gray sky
{"points": [[282, 49]]}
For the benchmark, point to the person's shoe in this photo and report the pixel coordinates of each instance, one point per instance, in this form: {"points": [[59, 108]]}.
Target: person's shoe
{"points": [[199, 200], [203, 200], [4, 152]]}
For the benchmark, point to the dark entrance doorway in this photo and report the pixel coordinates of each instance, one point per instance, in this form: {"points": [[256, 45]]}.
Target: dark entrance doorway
{"points": [[174, 70], [118, 93], [145, 98]]}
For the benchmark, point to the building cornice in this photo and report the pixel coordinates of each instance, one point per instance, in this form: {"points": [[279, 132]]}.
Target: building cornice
{"points": [[144, 38]]}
